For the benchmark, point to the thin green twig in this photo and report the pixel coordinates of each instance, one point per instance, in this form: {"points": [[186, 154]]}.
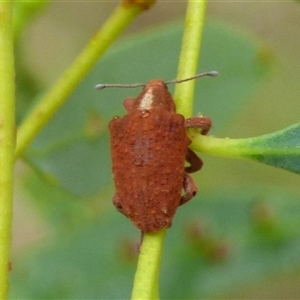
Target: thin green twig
{"points": [[216, 146], [189, 56], [58, 94], [146, 285], [7, 139]]}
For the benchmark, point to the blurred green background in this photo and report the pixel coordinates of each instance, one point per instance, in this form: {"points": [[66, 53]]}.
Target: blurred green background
{"points": [[245, 218]]}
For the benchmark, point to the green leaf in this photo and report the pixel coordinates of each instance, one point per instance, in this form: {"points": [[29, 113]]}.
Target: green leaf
{"points": [[280, 149], [74, 149], [219, 242], [230, 239], [24, 11]]}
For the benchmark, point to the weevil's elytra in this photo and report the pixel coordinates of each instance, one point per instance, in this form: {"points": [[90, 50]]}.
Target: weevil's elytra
{"points": [[149, 147]]}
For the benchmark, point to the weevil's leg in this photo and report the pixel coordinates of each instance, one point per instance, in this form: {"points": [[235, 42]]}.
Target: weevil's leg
{"points": [[189, 187], [203, 123], [117, 204], [195, 161]]}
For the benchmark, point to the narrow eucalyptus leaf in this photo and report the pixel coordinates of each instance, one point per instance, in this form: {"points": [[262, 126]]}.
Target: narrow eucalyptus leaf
{"points": [[280, 149]]}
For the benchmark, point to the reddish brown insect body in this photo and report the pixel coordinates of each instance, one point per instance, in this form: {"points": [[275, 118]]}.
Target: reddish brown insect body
{"points": [[149, 147]]}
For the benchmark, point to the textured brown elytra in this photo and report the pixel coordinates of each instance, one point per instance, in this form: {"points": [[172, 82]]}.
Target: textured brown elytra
{"points": [[149, 147]]}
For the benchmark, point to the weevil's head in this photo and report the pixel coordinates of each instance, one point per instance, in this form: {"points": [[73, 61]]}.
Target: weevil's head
{"points": [[155, 95]]}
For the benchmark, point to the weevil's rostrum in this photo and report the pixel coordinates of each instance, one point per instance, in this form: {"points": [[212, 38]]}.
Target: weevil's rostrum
{"points": [[149, 147]]}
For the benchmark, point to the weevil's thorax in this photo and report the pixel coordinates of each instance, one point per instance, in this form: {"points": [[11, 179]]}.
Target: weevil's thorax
{"points": [[155, 96]]}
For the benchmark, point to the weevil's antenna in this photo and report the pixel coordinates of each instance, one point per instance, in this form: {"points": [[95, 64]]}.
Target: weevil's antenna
{"points": [[113, 85], [211, 74], [101, 86]]}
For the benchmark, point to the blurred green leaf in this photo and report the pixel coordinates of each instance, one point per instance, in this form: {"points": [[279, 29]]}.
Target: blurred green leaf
{"points": [[27, 86], [280, 149], [24, 11], [74, 147], [219, 242]]}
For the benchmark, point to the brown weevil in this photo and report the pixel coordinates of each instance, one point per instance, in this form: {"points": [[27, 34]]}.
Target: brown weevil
{"points": [[149, 147]]}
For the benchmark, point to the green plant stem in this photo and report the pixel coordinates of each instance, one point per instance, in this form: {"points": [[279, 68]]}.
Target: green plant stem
{"points": [[189, 56], [224, 147], [57, 95], [146, 278], [244, 147], [147, 273], [7, 139]]}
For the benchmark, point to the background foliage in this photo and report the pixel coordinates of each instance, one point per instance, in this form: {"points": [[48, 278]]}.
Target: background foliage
{"points": [[244, 221]]}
